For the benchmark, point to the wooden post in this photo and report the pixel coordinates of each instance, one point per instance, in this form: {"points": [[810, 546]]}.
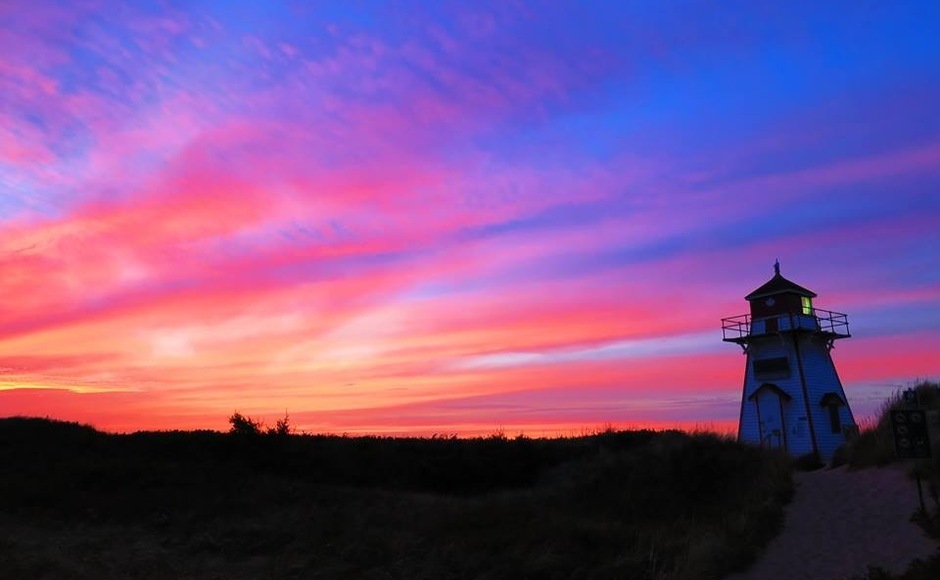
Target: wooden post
{"points": [[920, 493]]}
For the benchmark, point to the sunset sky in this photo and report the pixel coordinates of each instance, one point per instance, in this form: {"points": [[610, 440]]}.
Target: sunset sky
{"points": [[455, 217]]}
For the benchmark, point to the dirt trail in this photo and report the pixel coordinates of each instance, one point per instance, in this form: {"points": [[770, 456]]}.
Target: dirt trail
{"points": [[840, 523]]}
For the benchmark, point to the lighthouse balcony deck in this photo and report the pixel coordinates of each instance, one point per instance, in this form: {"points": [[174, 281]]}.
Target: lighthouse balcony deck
{"points": [[740, 328]]}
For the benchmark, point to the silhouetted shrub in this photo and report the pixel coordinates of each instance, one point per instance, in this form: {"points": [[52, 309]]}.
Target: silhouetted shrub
{"points": [[243, 425], [808, 462], [928, 569], [282, 427], [840, 456]]}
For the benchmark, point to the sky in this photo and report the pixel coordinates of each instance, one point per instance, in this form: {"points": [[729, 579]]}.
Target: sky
{"points": [[455, 217]]}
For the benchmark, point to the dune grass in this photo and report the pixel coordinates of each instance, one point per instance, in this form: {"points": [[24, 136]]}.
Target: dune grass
{"points": [[77, 503], [875, 444], [875, 447]]}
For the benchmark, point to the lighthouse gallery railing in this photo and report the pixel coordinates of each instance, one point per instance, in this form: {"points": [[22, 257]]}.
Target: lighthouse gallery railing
{"points": [[736, 328]]}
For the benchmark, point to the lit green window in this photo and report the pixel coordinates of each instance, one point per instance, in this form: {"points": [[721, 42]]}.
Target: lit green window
{"points": [[807, 305]]}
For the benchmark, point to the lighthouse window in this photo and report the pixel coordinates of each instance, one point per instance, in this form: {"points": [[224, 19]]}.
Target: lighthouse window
{"points": [[776, 367], [834, 420], [807, 305]]}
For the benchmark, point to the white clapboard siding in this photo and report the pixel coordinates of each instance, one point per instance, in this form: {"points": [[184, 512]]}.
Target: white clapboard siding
{"points": [[822, 378], [801, 416]]}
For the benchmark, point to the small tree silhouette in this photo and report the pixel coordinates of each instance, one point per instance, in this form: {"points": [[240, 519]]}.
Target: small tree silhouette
{"points": [[243, 425], [282, 427]]}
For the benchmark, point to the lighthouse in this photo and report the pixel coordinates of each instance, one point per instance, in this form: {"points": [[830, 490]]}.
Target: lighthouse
{"points": [[793, 398]]}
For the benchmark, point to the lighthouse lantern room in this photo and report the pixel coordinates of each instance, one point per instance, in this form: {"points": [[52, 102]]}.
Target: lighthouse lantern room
{"points": [[793, 398]]}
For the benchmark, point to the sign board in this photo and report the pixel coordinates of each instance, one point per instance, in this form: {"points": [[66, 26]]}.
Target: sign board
{"points": [[911, 438]]}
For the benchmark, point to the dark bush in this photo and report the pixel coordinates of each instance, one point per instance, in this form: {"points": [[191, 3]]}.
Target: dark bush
{"points": [[244, 426]]}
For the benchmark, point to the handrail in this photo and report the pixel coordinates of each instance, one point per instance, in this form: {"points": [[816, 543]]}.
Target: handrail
{"points": [[834, 322], [737, 328]]}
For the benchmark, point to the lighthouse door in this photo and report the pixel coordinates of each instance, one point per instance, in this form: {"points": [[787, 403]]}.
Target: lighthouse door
{"points": [[770, 418]]}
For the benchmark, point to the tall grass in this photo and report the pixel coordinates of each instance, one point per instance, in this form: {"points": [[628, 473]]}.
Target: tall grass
{"points": [[875, 447], [76, 503], [875, 443]]}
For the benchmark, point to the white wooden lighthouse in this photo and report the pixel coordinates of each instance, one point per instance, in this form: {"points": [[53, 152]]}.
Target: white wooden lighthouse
{"points": [[793, 398]]}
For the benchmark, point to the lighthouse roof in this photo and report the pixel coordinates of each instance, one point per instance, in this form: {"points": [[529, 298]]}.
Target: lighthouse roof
{"points": [[779, 285]]}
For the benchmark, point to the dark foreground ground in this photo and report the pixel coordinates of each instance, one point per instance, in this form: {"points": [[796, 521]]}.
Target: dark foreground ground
{"points": [[77, 503]]}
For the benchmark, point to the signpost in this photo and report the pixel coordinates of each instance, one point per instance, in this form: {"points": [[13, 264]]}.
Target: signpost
{"points": [[911, 437]]}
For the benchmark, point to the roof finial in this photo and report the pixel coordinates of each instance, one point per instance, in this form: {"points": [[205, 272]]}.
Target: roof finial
{"points": [[777, 267]]}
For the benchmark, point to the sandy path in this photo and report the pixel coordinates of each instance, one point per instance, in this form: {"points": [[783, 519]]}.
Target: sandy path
{"points": [[840, 522]]}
